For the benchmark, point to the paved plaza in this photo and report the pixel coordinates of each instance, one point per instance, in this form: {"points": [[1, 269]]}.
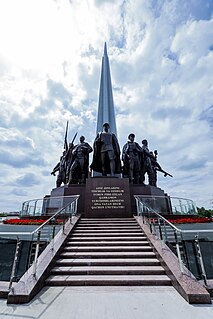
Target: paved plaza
{"points": [[106, 303]]}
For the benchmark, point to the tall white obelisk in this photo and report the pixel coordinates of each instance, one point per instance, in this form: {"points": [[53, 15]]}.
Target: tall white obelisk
{"points": [[106, 112]]}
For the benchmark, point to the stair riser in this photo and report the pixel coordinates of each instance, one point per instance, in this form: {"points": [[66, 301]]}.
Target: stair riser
{"points": [[109, 226], [108, 263], [105, 230], [108, 255], [107, 243], [109, 283], [107, 234], [106, 239], [109, 272], [109, 249]]}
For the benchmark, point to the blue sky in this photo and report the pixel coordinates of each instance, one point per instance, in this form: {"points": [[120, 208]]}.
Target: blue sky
{"points": [[161, 59]]}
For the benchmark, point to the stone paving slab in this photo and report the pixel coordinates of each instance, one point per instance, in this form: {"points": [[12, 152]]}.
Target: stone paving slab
{"points": [[4, 288], [106, 303]]}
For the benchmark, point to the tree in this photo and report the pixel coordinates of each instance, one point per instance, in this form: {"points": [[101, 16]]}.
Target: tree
{"points": [[204, 212]]}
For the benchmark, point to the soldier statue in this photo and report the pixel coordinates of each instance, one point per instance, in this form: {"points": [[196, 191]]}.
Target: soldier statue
{"points": [[61, 169], [69, 160], [156, 167], [80, 162], [146, 166], [106, 157], [131, 157]]}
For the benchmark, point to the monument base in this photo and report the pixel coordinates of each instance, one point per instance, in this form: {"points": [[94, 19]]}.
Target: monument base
{"points": [[159, 201], [70, 190], [112, 197]]}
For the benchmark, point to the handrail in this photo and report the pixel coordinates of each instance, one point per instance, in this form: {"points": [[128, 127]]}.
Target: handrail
{"points": [[172, 225], [176, 229], [183, 206], [35, 207], [73, 206], [57, 213], [76, 197], [164, 197]]}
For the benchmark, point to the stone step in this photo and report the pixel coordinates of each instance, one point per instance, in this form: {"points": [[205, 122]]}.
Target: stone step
{"points": [[123, 228], [107, 231], [108, 262], [101, 234], [107, 224], [104, 220], [108, 238], [109, 280], [107, 243], [133, 224], [108, 248], [108, 270], [107, 254]]}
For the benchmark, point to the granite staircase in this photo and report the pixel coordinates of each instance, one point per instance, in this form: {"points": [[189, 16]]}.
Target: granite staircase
{"points": [[107, 252]]}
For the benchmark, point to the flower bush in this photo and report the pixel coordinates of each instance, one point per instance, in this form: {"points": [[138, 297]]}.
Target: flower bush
{"points": [[186, 220], [17, 221]]}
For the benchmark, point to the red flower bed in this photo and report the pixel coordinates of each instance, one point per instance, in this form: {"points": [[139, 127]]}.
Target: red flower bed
{"points": [[17, 221], [186, 220]]}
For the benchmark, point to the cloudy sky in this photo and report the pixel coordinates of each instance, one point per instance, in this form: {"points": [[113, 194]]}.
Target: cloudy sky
{"points": [[161, 60]]}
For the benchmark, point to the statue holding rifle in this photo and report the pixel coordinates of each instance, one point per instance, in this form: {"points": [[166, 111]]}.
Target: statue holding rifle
{"points": [[64, 164], [156, 167], [61, 166], [69, 158], [61, 169]]}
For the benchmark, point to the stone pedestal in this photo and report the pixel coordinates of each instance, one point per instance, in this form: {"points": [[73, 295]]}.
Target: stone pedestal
{"points": [[109, 197], [161, 203], [69, 191]]}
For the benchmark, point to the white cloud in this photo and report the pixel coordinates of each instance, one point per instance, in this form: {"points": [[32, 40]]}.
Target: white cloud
{"points": [[161, 61]]}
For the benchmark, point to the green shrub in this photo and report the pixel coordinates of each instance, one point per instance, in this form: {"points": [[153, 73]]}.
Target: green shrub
{"points": [[202, 212]]}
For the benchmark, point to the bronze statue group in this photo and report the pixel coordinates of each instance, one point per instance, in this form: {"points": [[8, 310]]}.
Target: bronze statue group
{"points": [[73, 167]]}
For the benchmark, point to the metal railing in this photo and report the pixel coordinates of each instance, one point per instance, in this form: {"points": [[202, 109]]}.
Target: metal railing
{"points": [[44, 233], [44, 206], [170, 234], [170, 205]]}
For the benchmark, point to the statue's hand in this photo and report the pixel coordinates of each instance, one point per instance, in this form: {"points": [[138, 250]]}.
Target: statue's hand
{"points": [[84, 150], [52, 173]]}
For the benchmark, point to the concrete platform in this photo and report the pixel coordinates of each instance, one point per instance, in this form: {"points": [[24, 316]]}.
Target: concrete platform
{"points": [[106, 303]]}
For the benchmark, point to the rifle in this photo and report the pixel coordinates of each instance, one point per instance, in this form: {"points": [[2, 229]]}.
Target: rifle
{"points": [[164, 172], [65, 138], [74, 138], [156, 155]]}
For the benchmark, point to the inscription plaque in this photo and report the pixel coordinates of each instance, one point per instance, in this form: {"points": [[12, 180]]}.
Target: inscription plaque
{"points": [[107, 197]]}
